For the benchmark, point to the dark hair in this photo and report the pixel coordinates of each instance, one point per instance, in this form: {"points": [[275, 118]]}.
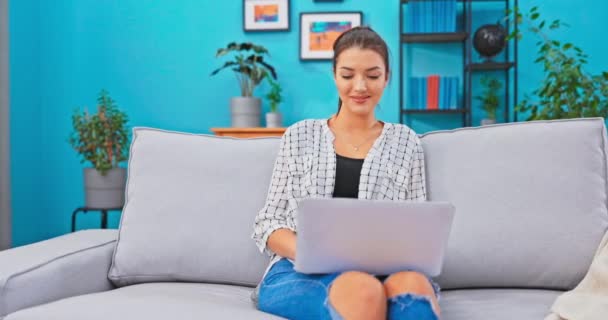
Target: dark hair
{"points": [[363, 38]]}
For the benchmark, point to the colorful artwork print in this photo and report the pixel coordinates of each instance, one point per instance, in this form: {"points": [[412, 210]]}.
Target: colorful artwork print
{"points": [[319, 31], [266, 13], [323, 34]]}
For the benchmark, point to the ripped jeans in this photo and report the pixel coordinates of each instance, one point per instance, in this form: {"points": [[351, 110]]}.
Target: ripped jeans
{"points": [[293, 295]]}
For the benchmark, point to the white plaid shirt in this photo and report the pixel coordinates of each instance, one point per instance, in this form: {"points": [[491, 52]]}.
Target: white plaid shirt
{"points": [[306, 167]]}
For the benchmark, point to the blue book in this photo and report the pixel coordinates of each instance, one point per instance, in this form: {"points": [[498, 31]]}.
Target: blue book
{"points": [[416, 104], [454, 97], [426, 15], [442, 16], [418, 93], [452, 13], [412, 93], [434, 12], [442, 93], [409, 26], [448, 92], [423, 105], [415, 6]]}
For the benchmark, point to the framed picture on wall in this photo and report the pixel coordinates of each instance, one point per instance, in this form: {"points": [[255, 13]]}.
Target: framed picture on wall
{"points": [[319, 30], [265, 15]]}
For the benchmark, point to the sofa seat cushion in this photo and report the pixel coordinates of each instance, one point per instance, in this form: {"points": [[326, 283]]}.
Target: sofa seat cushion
{"points": [[152, 301], [212, 301], [497, 304]]}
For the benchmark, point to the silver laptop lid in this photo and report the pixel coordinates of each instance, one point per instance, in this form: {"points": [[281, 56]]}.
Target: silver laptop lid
{"points": [[375, 236]]}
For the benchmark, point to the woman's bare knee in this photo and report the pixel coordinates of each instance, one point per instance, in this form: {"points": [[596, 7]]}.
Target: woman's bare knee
{"points": [[358, 295], [408, 281], [411, 282]]}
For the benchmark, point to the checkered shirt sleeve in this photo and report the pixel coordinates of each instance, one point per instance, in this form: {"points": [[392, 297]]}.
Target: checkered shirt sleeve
{"points": [[277, 212], [417, 181]]}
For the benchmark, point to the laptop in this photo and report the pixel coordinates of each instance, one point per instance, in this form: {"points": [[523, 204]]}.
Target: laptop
{"points": [[379, 237]]}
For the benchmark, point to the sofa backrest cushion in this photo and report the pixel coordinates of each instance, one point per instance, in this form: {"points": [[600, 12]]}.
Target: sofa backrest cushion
{"points": [[190, 205], [530, 201]]}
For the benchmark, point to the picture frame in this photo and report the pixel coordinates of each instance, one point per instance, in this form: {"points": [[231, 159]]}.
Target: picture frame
{"points": [[319, 30], [266, 15]]}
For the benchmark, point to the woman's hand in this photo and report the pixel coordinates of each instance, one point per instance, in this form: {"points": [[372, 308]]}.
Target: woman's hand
{"points": [[283, 243]]}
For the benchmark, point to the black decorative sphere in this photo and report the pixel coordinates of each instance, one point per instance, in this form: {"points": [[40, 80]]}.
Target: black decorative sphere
{"points": [[489, 40]]}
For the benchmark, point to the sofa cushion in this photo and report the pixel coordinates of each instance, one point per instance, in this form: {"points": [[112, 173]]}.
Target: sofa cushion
{"points": [[211, 301], [190, 205], [496, 304], [530, 201], [152, 301]]}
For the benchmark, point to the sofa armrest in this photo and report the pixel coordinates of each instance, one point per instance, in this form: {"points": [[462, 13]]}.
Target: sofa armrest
{"points": [[61, 267]]}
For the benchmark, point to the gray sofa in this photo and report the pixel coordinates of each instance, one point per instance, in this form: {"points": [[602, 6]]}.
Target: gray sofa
{"points": [[531, 211]]}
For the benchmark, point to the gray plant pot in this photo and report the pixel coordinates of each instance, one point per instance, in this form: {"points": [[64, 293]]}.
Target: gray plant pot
{"points": [[274, 120], [246, 112], [105, 191], [485, 122]]}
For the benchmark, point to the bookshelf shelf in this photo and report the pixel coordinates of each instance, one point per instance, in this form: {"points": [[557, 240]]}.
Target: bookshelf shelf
{"points": [[406, 1], [434, 111], [434, 37], [485, 66]]}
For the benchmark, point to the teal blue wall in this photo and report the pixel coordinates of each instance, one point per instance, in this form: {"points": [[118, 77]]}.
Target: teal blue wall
{"points": [[28, 181], [155, 57]]}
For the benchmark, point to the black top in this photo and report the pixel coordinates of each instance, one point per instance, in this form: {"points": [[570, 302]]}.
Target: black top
{"points": [[348, 172]]}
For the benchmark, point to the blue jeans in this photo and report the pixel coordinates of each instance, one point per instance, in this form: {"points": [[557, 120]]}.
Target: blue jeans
{"points": [[293, 295]]}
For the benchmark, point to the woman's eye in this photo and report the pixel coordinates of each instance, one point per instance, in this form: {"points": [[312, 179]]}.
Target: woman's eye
{"points": [[374, 77], [347, 77]]}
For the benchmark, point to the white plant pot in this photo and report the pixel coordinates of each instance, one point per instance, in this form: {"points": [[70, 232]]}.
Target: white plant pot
{"points": [[246, 112], [105, 191], [274, 120], [485, 122]]}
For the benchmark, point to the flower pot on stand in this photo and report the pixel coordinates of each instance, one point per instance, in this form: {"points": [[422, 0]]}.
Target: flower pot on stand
{"points": [[105, 191], [485, 122], [274, 120], [245, 112]]}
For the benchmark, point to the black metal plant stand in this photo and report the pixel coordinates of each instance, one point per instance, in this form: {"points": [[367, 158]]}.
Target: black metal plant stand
{"points": [[104, 215]]}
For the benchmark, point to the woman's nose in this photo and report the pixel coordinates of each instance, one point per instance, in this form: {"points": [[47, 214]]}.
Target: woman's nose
{"points": [[360, 85]]}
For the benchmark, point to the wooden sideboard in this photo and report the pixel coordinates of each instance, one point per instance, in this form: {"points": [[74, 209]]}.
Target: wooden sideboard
{"points": [[248, 132]]}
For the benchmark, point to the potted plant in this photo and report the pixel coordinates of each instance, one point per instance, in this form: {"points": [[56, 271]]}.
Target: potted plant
{"points": [[273, 118], [250, 69], [489, 99], [568, 90], [101, 139]]}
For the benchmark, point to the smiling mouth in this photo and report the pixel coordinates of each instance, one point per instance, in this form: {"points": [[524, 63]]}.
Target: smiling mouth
{"points": [[360, 99]]}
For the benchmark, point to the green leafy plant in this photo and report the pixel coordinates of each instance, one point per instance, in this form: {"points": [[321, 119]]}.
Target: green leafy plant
{"points": [[250, 68], [568, 90], [101, 138], [274, 95], [489, 98]]}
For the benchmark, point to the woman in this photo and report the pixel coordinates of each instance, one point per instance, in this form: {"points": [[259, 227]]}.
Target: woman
{"points": [[349, 155]]}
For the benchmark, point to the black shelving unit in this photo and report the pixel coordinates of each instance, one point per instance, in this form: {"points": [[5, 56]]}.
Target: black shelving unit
{"points": [[469, 67], [433, 37]]}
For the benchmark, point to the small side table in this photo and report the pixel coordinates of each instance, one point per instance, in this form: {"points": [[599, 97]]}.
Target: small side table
{"points": [[104, 215], [248, 132]]}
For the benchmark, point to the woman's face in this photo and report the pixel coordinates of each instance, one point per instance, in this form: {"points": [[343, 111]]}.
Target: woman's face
{"points": [[360, 77]]}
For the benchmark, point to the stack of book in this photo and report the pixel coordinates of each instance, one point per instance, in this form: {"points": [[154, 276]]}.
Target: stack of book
{"points": [[433, 93], [431, 16]]}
